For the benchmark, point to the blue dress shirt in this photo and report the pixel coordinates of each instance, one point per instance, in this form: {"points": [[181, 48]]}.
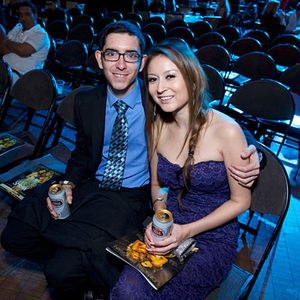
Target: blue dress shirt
{"points": [[136, 171]]}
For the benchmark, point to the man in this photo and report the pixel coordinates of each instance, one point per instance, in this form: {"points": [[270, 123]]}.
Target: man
{"points": [[106, 180], [53, 11], [26, 46]]}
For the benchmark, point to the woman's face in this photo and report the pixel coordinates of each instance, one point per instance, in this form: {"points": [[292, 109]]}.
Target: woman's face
{"points": [[166, 84]]}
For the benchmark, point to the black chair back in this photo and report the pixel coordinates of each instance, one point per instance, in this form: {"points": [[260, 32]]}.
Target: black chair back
{"points": [[200, 28], [184, 33], [255, 65], [285, 54], [210, 38], [245, 45], [230, 32], [216, 85], [215, 56], [156, 31]]}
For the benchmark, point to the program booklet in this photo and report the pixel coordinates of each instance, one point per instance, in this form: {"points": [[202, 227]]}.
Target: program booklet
{"points": [[8, 142], [29, 179], [157, 270]]}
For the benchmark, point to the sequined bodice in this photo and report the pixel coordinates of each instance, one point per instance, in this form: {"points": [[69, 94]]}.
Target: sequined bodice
{"points": [[209, 190]]}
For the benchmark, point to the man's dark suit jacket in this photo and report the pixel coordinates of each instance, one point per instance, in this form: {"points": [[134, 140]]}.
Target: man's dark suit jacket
{"points": [[89, 115]]}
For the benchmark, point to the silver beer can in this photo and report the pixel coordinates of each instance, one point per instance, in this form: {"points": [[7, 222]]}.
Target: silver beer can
{"points": [[161, 224], [58, 198]]}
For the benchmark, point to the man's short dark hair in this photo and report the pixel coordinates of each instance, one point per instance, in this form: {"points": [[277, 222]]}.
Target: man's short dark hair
{"points": [[122, 27], [29, 4]]}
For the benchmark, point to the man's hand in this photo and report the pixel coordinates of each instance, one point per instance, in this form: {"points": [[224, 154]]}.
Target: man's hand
{"points": [[69, 196], [246, 175]]}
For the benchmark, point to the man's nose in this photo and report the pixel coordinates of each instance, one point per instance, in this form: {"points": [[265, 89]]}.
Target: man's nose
{"points": [[121, 64]]}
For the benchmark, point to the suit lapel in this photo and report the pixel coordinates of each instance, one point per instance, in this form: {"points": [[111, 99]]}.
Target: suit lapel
{"points": [[99, 126]]}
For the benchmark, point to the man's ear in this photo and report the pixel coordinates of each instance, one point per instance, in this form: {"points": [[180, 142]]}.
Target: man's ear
{"points": [[98, 56], [143, 61]]}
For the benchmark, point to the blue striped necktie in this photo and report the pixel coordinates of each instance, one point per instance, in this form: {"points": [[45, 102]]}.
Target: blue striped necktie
{"points": [[114, 168]]}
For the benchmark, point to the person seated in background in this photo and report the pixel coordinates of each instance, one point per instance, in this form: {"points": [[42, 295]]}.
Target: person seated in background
{"points": [[52, 11], [293, 20], [11, 8], [158, 6], [223, 10], [26, 46], [273, 19], [192, 147], [140, 5]]}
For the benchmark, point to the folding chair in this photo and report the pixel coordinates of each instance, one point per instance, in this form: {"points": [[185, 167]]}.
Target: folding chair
{"points": [[255, 65], [156, 31], [250, 66], [70, 60], [215, 56], [285, 55], [32, 172], [184, 33], [245, 45], [200, 28], [287, 38], [230, 32], [261, 35], [270, 197], [216, 85], [267, 107], [5, 85], [58, 30], [210, 38], [36, 90], [83, 33]]}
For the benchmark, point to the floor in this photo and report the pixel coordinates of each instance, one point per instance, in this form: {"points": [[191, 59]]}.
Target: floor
{"points": [[279, 279]]}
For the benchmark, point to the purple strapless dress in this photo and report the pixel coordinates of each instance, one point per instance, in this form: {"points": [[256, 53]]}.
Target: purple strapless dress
{"points": [[217, 248]]}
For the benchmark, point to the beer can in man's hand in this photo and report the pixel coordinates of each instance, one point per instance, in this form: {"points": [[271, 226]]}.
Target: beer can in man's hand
{"points": [[58, 198], [161, 224]]}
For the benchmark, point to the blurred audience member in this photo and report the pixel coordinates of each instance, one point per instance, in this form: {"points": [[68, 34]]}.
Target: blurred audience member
{"points": [[12, 8], [223, 10], [2, 15], [157, 6], [94, 8], [26, 46], [53, 11], [293, 20], [273, 19], [141, 5]]}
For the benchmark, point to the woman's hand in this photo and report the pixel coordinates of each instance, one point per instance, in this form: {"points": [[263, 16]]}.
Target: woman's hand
{"points": [[177, 235]]}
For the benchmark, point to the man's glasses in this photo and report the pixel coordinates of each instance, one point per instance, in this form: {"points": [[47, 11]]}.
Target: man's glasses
{"points": [[128, 56]]}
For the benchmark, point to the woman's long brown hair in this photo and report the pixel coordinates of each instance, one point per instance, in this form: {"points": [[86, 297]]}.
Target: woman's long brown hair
{"points": [[187, 63]]}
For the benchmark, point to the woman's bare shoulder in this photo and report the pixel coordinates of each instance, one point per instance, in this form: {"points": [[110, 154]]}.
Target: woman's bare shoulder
{"points": [[223, 125]]}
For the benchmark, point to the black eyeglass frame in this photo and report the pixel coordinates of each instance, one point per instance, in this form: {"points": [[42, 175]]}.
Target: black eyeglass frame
{"points": [[138, 55]]}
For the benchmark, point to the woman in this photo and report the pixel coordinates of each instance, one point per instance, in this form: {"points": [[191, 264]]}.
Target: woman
{"points": [[272, 19], [223, 10], [191, 149]]}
